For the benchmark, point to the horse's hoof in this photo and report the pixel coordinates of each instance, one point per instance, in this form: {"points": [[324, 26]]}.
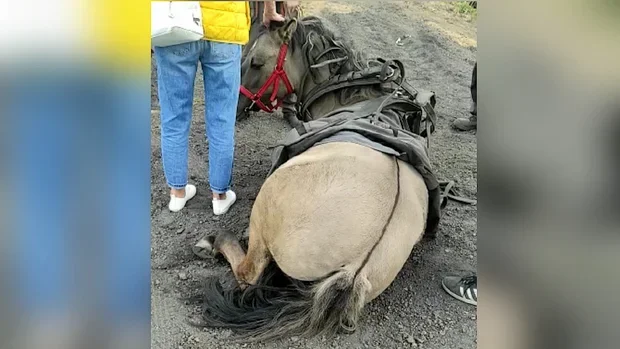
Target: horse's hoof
{"points": [[204, 247], [242, 285], [224, 236]]}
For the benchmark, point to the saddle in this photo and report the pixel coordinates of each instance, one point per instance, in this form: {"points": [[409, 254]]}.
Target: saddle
{"points": [[389, 75]]}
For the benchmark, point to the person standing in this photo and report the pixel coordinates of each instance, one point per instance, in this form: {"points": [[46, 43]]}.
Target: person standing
{"points": [[226, 27], [471, 123]]}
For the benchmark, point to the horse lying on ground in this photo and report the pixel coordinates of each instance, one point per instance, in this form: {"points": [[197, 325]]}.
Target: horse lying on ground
{"points": [[348, 196]]}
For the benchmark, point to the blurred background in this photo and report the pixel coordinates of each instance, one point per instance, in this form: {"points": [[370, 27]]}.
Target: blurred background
{"points": [[548, 165], [75, 174]]}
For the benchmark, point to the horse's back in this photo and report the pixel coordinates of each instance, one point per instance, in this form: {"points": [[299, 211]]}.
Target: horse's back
{"points": [[325, 208]]}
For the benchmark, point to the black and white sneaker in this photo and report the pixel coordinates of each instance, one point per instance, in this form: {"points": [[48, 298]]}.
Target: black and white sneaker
{"points": [[464, 289]]}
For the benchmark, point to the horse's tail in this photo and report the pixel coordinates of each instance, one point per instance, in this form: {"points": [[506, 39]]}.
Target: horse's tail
{"points": [[279, 306]]}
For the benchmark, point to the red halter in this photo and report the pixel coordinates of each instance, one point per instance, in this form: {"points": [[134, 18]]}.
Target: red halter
{"points": [[276, 76]]}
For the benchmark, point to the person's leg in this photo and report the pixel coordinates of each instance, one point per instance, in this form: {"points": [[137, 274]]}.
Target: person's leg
{"points": [[221, 65], [176, 72], [466, 124], [464, 289], [474, 91]]}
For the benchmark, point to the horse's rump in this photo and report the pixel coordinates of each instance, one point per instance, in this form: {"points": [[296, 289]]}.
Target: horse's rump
{"points": [[380, 124]]}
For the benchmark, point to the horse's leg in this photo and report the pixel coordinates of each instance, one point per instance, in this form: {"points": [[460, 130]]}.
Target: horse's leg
{"points": [[256, 261], [246, 268], [227, 244]]}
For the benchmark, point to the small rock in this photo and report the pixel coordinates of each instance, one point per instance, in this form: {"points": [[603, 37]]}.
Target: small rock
{"points": [[179, 231], [157, 282], [294, 338], [183, 276], [419, 340], [448, 250], [410, 339]]}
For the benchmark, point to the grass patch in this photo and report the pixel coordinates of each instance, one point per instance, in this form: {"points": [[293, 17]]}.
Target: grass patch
{"points": [[466, 8]]}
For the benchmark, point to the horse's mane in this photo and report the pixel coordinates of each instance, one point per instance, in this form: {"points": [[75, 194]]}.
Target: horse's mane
{"points": [[313, 38]]}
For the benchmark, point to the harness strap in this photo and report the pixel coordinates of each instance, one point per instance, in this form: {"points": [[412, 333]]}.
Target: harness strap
{"points": [[449, 192], [370, 76]]}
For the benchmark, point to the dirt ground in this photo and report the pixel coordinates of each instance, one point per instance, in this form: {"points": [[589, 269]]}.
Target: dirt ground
{"points": [[414, 311]]}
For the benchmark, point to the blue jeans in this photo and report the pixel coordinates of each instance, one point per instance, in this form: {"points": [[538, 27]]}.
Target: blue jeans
{"points": [[176, 72]]}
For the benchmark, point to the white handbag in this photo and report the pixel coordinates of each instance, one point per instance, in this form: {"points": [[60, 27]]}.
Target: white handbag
{"points": [[175, 22]]}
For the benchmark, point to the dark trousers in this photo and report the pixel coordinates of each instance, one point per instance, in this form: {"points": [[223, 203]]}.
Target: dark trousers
{"points": [[474, 91]]}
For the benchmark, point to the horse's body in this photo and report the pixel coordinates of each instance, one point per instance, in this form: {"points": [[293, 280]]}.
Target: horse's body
{"points": [[339, 220]]}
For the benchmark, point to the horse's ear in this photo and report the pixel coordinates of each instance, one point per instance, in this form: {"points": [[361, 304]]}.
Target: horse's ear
{"points": [[286, 31]]}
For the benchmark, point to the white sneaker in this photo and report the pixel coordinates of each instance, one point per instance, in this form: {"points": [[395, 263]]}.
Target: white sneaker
{"points": [[222, 206], [176, 204]]}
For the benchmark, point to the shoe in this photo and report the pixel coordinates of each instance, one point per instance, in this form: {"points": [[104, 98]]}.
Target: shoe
{"points": [[464, 289], [221, 206], [466, 124], [176, 204]]}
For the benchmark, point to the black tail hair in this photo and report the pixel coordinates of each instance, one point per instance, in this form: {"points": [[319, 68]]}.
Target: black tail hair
{"points": [[279, 306]]}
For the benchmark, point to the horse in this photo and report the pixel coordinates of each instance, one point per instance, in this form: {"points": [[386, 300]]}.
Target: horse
{"points": [[332, 225], [315, 54]]}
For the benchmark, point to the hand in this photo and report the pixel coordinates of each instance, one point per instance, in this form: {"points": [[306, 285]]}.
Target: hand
{"points": [[271, 16]]}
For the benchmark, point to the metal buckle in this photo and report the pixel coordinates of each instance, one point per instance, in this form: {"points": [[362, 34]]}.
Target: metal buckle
{"points": [[248, 108]]}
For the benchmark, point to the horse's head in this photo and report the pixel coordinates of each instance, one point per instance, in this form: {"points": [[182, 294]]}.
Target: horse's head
{"points": [[261, 59]]}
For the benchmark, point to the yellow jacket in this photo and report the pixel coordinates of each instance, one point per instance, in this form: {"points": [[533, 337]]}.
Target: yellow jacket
{"points": [[226, 21]]}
